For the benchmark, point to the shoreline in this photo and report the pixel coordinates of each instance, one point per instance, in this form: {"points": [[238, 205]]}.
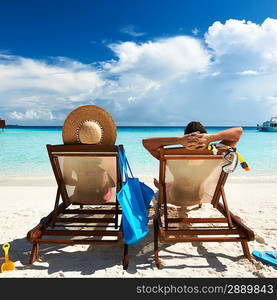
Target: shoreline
{"points": [[49, 180]]}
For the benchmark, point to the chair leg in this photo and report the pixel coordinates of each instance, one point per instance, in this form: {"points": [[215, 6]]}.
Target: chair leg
{"points": [[125, 261], [34, 253], [156, 244], [246, 251]]}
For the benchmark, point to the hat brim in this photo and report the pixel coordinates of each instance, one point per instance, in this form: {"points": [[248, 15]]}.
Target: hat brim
{"points": [[89, 113]]}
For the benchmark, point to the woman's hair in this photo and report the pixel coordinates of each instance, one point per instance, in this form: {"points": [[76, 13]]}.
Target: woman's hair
{"points": [[195, 126]]}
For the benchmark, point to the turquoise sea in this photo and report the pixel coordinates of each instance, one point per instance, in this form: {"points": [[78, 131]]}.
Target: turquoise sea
{"points": [[23, 151]]}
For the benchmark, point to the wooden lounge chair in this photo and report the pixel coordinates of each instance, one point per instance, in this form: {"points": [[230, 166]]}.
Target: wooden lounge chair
{"points": [[86, 214], [188, 178]]}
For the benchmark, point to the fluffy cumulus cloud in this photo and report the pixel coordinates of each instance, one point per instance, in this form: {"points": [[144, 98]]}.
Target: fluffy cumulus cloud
{"points": [[145, 74], [245, 54], [244, 37], [34, 90], [226, 78], [62, 76], [163, 59]]}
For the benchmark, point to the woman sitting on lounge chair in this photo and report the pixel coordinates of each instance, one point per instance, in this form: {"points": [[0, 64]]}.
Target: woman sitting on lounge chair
{"points": [[90, 178]]}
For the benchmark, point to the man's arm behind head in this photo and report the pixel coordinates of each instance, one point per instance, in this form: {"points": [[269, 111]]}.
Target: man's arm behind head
{"points": [[228, 137]]}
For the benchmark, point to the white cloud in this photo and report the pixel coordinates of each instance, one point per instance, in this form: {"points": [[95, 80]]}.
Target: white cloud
{"points": [[64, 76], [248, 72], [145, 73], [240, 37], [272, 98], [159, 60], [215, 74], [130, 30], [132, 99], [249, 50], [32, 115], [27, 84], [195, 31]]}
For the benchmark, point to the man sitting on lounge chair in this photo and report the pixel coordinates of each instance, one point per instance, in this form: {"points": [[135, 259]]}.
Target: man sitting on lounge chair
{"points": [[195, 137]]}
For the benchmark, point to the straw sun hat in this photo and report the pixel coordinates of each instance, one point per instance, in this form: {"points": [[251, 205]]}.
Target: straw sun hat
{"points": [[89, 124]]}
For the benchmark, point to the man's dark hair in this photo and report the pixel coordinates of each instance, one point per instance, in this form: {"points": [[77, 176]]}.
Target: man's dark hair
{"points": [[195, 126]]}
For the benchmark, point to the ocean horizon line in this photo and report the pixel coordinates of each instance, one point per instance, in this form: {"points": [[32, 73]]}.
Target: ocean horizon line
{"points": [[133, 126]]}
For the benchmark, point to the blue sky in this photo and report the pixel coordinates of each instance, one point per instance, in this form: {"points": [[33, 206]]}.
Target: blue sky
{"points": [[146, 62]]}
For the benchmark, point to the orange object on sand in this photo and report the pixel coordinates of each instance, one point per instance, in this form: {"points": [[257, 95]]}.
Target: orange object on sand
{"points": [[8, 265]]}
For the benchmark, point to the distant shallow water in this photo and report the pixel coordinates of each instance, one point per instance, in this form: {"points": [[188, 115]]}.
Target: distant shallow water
{"points": [[23, 150]]}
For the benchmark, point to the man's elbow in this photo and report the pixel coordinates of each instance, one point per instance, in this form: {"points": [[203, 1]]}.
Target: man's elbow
{"points": [[145, 143], [239, 131], [149, 147]]}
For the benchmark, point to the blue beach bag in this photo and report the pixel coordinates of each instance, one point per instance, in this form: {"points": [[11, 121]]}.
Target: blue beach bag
{"points": [[134, 199]]}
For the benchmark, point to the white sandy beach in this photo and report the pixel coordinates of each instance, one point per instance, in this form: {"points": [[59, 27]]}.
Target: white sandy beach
{"points": [[25, 201]]}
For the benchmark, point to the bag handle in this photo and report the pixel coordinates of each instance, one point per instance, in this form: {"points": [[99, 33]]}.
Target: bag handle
{"points": [[124, 164], [127, 162]]}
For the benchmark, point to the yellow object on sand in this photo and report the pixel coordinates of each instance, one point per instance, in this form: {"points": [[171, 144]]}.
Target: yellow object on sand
{"points": [[8, 265]]}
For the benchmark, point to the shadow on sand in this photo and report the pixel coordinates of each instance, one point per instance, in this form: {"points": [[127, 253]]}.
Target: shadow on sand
{"points": [[95, 258]]}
